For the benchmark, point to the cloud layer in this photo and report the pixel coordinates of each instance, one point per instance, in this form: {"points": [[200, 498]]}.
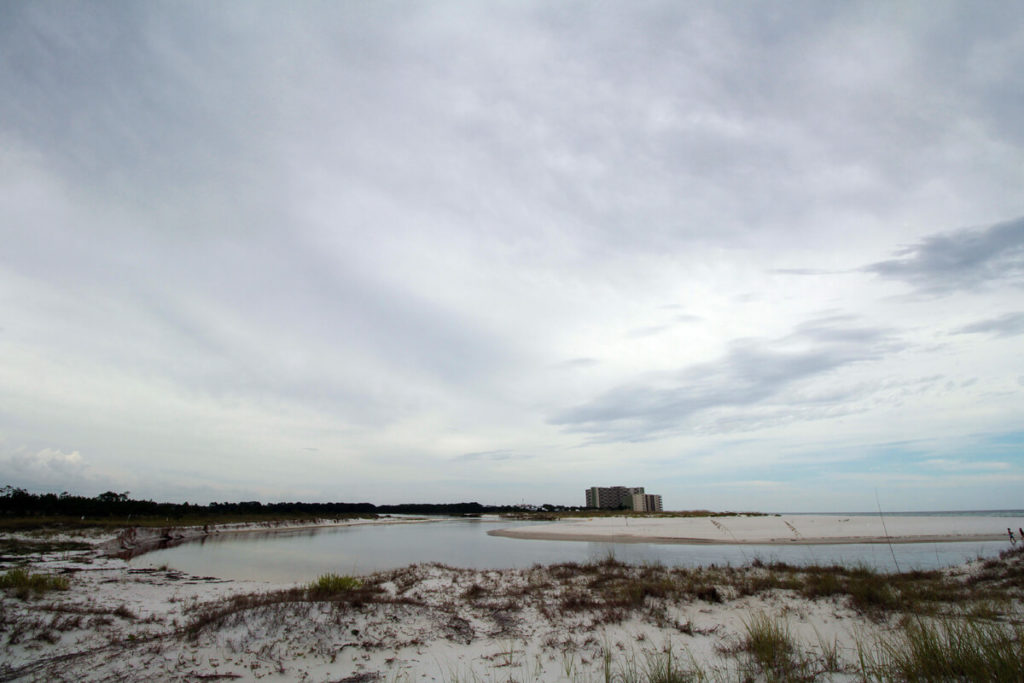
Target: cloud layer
{"points": [[499, 252]]}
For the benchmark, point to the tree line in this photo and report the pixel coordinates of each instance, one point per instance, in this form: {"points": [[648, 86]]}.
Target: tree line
{"points": [[16, 502]]}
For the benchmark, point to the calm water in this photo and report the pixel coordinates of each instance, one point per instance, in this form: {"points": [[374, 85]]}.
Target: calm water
{"points": [[302, 555]]}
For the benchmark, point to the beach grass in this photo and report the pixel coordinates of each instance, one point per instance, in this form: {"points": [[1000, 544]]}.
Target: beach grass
{"points": [[770, 645], [953, 648], [24, 583], [327, 585]]}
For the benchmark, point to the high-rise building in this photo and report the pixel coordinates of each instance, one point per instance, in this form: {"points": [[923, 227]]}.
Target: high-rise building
{"points": [[612, 497], [646, 502]]}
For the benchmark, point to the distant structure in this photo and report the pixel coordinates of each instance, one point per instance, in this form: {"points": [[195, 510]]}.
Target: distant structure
{"points": [[646, 502], [612, 497], [623, 497]]}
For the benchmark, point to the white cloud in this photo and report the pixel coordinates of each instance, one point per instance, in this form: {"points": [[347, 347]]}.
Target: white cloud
{"points": [[47, 467]]}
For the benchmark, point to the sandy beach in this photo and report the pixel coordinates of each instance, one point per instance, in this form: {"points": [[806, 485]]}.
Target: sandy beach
{"points": [[596, 621], [773, 529]]}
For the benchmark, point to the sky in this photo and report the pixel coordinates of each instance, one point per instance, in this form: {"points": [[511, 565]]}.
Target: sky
{"points": [[751, 256]]}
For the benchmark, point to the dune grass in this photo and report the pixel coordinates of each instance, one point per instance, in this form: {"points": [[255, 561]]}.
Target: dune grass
{"points": [[24, 583], [332, 584], [947, 649], [770, 646]]}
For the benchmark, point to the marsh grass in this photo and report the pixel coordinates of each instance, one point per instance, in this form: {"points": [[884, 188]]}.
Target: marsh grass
{"points": [[24, 583]]}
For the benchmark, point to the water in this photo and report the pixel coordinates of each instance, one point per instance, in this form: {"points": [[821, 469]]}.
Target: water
{"points": [[302, 555]]}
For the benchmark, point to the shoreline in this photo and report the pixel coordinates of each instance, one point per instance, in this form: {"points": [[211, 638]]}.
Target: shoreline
{"points": [[135, 541]]}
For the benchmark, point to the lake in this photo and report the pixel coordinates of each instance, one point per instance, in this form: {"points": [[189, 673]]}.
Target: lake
{"points": [[303, 554]]}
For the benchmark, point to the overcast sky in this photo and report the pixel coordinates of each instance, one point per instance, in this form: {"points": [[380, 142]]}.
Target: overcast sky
{"points": [[750, 255]]}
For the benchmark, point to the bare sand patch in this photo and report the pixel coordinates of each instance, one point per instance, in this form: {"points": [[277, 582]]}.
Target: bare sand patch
{"points": [[772, 529]]}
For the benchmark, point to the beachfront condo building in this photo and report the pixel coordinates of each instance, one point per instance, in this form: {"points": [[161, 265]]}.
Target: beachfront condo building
{"points": [[646, 502], [612, 497], [623, 498]]}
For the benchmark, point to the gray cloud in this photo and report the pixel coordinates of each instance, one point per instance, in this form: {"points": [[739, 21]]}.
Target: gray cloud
{"points": [[753, 374], [1008, 325], [963, 260]]}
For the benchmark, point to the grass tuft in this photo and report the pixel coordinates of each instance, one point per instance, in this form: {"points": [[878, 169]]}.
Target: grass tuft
{"points": [[961, 649], [332, 584], [24, 583], [770, 646]]}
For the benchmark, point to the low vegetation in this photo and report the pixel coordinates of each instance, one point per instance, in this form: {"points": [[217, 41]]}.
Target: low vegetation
{"points": [[770, 646], [25, 584], [328, 585], [954, 648]]}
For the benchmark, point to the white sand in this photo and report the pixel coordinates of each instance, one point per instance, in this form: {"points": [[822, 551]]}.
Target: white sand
{"points": [[772, 529]]}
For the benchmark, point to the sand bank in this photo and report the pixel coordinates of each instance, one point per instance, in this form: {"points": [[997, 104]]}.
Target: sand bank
{"points": [[772, 529]]}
